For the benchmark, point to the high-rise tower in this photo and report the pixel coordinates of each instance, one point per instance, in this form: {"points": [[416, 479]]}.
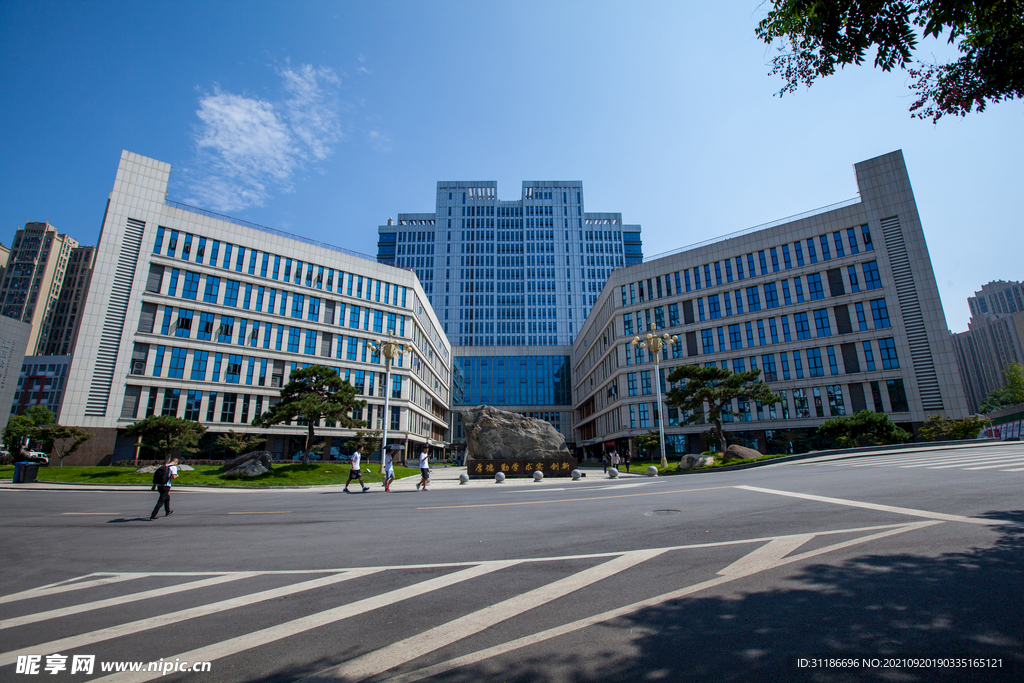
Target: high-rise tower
{"points": [[512, 282]]}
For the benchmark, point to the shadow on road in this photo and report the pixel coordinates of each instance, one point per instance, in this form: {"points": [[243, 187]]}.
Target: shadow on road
{"points": [[968, 604]]}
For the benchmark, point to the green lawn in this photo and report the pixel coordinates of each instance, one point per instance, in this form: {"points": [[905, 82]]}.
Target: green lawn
{"points": [[291, 474], [673, 466]]}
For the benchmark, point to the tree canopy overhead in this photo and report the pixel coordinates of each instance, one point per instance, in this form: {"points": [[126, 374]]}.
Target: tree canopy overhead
{"points": [[313, 394], [714, 389], [813, 37]]}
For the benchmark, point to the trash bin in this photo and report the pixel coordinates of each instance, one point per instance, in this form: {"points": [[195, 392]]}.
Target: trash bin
{"points": [[25, 472]]}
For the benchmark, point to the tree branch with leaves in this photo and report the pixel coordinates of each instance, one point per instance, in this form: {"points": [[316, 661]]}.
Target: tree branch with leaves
{"points": [[813, 37], [710, 392], [313, 394]]}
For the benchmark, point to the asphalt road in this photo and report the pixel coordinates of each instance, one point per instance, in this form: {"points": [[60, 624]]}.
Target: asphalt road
{"points": [[908, 566]]}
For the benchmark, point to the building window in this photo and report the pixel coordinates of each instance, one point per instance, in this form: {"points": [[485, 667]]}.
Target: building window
{"points": [[814, 365], [814, 287], [897, 396], [822, 324], [871, 277], [887, 349], [880, 314]]}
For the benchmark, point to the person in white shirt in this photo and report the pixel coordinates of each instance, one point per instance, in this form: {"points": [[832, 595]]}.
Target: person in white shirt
{"points": [[615, 460], [424, 469], [354, 473], [389, 470]]}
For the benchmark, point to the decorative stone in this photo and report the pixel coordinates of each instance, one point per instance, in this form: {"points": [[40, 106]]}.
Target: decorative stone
{"points": [[575, 475], [248, 469], [493, 434], [538, 475], [652, 471], [499, 477], [148, 469], [264, 457], [463, 478], [737, 452], [613, 473]]}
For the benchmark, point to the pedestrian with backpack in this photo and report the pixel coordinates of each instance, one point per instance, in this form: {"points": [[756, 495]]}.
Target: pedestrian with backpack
{"points": [[162, 478]]}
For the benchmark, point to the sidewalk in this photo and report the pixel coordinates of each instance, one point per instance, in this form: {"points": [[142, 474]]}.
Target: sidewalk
{"points": [[440, 478]]}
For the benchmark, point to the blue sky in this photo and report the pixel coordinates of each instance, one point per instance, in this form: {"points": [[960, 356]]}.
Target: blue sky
{"points": [[323, 119]]}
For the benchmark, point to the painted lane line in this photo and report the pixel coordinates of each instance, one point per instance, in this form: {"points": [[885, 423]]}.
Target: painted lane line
{"points": [[120, 600], [882, 508], [765, 557], [107, 514], [621, 486], [64, 586], [965, 461], [416, 646], [121, 630], [296, 626], [989, 467], [268, 512], [572, 500], [1019, 469], [988, 463], [531, 490], [527, 641]]}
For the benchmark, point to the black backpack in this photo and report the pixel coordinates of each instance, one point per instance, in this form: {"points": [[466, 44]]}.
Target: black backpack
{"points": [[161, 476]]}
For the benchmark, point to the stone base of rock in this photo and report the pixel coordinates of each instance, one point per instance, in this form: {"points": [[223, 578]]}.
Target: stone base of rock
{"points": [[736, 452], [520, 467]]}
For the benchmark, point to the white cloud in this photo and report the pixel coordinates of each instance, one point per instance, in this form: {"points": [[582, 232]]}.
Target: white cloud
{"points": [[248, 147]]}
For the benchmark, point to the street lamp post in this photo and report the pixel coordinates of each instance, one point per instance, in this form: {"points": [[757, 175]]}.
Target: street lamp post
{"points": [[655, 344], [390, 350]]}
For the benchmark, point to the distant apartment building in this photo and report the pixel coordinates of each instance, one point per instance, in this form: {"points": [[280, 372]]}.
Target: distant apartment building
{"points": [[838, 308], [41, 382], [994, 337], [512, 282], [203, 317], [67, 316], [31, 284]]}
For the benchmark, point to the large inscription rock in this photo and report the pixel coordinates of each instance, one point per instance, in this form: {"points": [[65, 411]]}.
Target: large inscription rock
{"points": [[493, 434]]}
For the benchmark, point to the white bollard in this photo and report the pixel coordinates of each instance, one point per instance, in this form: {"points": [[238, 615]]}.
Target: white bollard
{"points": [[463, 478], [652, 471], [613, 473], [538, 475], [499, 477], [575, 475]]}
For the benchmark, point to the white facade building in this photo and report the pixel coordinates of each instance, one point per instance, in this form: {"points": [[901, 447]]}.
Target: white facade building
{"points": [[202, 316], [838, 308]]}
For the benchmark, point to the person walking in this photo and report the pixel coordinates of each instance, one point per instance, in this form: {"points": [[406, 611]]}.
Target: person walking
{"points": [[604, 462], [615, 460], [424, 469], [354, 473], [625, 459], [162, 483], [388, 471]]}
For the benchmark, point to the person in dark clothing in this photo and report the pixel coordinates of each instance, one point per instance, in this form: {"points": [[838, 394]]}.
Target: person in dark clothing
{"points": [[165, 490]]}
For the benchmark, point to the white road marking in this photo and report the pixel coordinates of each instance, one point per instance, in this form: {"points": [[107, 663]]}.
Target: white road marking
{"points": [[765, 557], [121, 599], [883, 508], [121, 630], [527, 641], [771, 551], [64, 586], [420, 644], [296, 626]]}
